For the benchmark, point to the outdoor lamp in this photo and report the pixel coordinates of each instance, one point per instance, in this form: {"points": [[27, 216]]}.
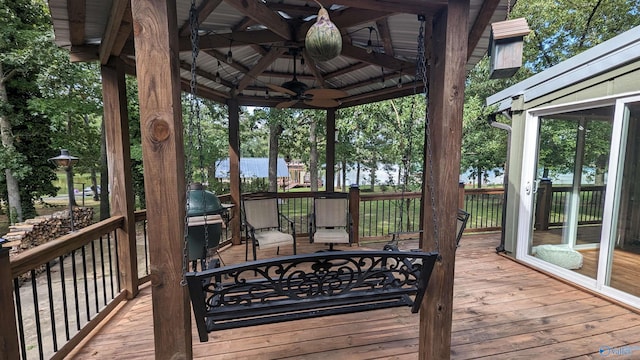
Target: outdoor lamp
{"points": [[66, 161]]}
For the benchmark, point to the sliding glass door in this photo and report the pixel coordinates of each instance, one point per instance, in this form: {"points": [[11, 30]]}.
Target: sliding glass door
{"points": [[623, 253], [580, 197]]}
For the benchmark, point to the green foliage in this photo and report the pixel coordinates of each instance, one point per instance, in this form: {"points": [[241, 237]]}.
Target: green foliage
{"points": [[560, 30]]}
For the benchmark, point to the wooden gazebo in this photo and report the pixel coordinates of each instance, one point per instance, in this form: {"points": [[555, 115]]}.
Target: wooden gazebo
{"points": [[245, 45]]}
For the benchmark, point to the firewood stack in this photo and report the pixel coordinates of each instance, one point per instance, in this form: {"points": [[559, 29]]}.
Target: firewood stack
{"points": [[39, 230]]}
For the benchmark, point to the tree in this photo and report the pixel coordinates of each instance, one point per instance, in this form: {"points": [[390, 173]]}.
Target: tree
{"points": [[566, 29], [25, 43]]}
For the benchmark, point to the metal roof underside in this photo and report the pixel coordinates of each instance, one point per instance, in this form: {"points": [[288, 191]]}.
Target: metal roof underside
{"points": [[262, 36], [615, 52]]}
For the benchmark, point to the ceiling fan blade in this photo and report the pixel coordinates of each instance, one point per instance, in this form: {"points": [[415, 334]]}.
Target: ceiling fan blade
{"points": [[323, 103], [286, 104], [281, 89], [327, 93]]}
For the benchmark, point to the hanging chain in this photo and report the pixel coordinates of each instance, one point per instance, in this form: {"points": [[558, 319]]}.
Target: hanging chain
{"points": [[421, 72], [193, 22]]}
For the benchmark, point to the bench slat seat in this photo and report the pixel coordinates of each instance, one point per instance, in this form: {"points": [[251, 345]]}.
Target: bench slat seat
{"points": [[305, 286]]}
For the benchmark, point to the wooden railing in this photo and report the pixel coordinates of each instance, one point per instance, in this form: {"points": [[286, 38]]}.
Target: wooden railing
{"points": [[552, 202], [62, 289]]}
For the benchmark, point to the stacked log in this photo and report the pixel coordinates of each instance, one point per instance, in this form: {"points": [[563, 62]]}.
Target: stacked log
{"points": [[42, 229]]}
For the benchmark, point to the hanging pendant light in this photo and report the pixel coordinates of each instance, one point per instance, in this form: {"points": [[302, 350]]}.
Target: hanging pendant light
{"points": [[323, 41]]}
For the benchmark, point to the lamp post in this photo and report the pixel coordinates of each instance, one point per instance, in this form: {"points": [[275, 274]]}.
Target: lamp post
{"points": [[66, 161]]}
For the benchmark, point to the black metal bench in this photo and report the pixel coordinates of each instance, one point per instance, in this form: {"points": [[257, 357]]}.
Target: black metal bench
{"points": [[310, 285]]}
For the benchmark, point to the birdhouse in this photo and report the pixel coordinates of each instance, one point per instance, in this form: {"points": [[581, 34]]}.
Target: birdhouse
{"points": [[505, 47]]}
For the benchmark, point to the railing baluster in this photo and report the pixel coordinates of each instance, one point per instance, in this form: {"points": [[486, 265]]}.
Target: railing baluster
{"points": [[95, 276], [74, 271], [104, 275], [115, 236], [146, 245], [110, 264], [85, 283], [36, 313], [65, 305], [20, 319], [51, 308]]}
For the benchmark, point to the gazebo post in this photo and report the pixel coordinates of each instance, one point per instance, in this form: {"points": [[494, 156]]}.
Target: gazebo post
{"points": [[119, 163], [234, 167], [331, 150], [446, 99], [158, 72]]}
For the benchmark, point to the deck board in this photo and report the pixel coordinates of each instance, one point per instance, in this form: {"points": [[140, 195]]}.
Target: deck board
{"points": [[501, 310]]}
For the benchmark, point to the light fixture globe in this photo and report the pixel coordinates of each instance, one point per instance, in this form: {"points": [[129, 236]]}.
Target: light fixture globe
{"points": [[64, 160], [323, 41]]}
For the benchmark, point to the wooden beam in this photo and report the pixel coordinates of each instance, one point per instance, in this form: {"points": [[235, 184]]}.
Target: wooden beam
{"points": [[206, 75], [258, 68], [223, 61], [385, 36], [394, 6], [125, 33], [331, 150], [205, 92], [243, 24], [234, 167], [389, 92], [388, 62], [441, 172], [204, 10], [84, 53], [116, 127], [111, 31], [346, 18], [347, 69], [239, 38], [77, 10], [480, 24], [156, 44], [286, 75], [259, 12]]}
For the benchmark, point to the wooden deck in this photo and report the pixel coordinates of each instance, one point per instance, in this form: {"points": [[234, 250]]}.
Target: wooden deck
{"points": [[502, 310]]}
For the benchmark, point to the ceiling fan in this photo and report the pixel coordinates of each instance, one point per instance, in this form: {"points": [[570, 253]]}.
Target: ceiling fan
{"points": [[299, 91]]}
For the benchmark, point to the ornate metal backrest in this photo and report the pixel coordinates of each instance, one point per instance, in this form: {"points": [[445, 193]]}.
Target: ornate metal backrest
{"points": [[248, 293]]}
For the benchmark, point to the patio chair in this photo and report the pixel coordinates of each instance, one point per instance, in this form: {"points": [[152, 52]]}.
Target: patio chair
{"points": [[261, 220], [330, 222], [461, 224]]}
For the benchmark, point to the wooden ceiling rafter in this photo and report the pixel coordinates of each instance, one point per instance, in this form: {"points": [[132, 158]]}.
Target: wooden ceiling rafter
{"points": [[260, 13], [205, 92], [258, 68], [222, 59], [116, 28], [204, 10], [477, 29], [207, 75], [345, 70], [385, 61], [385, 36], [388, 92], [347, 18], [239, 38], [286, 75], [77, 16], [390, 6]]}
